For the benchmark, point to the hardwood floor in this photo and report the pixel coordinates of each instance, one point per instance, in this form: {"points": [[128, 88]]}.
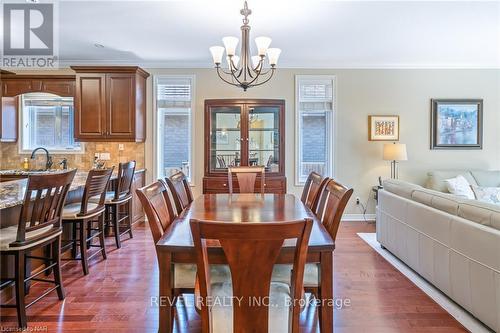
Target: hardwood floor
{"points": [[116, 295]]}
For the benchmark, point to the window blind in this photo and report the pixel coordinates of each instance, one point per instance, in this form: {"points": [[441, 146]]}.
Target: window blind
{"points": [[174, 92]]}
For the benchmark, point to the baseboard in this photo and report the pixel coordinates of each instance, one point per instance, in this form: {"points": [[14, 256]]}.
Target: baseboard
{"points": [[358, 217]]}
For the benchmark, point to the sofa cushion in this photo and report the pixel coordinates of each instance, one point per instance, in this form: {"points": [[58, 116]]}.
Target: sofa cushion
{"points": [[486, 178], [480, 212], [436, 179], [487, 194], [400, 187], [443, 201], [460, 186]]}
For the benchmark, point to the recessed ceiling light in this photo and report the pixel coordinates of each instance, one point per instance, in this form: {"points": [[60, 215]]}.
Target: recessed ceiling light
{"points": [[99, 46]]}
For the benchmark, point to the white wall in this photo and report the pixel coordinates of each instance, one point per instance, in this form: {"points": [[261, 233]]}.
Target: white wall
{"points": [[362, 92]]}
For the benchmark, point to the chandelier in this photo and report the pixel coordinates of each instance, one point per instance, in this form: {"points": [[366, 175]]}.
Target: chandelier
{"points": [[245, 71]]}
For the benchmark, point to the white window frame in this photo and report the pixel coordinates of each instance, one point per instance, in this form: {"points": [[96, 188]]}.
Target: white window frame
{"points": [[24, 136], [332, 135], [158, 123]]}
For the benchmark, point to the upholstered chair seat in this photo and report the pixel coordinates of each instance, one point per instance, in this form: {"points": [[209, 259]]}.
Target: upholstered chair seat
{"points": [[72, 211], [283, 273], [185, 275], [9, 235], [222, 311], [110, 198]]}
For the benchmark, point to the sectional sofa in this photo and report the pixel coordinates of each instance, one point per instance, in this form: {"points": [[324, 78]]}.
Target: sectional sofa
{"points": [[451, 241]]}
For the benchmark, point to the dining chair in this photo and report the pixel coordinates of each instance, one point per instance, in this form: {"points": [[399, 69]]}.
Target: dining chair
{"points": [[221, 162], [251, 250], [246, 177], [121, 196], [181, 192], [39, 226], [331, 204], [312, 188], [160, 213], [82, 215]]}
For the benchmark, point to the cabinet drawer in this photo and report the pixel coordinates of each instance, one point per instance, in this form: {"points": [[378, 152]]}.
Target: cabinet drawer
{"points": [[220, 185]]}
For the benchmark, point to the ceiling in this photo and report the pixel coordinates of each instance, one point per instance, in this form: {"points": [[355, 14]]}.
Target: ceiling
{"points": [[311, 33]]}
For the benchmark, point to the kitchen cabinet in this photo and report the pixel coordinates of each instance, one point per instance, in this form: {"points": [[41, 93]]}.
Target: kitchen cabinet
{"points": [[9, 119], [61, 85], [13, 85], [110, 103], [244, 132]]}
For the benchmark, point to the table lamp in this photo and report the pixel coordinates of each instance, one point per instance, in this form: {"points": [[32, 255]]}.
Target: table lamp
{"points": [[395, 152]]}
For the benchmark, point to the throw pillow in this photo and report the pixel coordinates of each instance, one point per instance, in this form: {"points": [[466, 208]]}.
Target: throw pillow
{"points": [[487, 194], [460, 186]]}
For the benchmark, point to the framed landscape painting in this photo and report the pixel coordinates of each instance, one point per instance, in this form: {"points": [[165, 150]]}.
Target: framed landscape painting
{"points": [[457, 124], [383, 128]]}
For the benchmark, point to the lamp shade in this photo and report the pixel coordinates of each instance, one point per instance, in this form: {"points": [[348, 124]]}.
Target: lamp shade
{"points": [[395, 152], [230, 44], [217, 53]]}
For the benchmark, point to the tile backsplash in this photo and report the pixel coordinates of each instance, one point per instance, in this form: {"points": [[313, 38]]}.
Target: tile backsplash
{"points": [[12, 159]]}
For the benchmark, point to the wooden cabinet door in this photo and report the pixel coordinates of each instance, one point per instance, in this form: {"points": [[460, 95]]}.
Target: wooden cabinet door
{"points": [[59, 87], [9, 116], [90, 106], [16, 87], [120, 106]]}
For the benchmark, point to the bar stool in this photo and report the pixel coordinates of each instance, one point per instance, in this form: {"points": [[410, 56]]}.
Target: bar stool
{"points": [[39, 226], [121, 196], [82, 215]]}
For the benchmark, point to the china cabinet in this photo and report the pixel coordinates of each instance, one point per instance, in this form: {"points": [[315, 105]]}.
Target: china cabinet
{"points": [[244, 132]]}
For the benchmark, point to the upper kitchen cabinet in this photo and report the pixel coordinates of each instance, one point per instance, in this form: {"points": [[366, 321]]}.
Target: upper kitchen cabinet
{"points": [[110, 103], [61, 85], [13, 86]]}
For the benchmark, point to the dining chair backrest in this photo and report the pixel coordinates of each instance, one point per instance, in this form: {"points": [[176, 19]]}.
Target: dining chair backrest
{"points": [[246, 177], [251, 251], [270, 161], [331, 204], [312, 188], [221, 162], [95, 186], [181, 192], [158, 207], [42, 205], [125, 179]]}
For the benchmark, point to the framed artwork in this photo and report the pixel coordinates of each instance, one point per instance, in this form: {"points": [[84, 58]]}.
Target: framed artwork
{"points": [[222, 137], [383, 128], [457, 124]]}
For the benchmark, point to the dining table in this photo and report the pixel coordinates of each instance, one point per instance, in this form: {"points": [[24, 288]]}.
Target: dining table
{"points": [[176, 244]]}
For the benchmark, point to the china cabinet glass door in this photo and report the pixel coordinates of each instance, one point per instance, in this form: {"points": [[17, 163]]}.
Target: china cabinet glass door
{"points": [[263, 136], [225, 137]]}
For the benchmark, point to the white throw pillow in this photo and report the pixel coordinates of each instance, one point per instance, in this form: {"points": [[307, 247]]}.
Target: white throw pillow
{"points": [[460, 186], [487, 194]]}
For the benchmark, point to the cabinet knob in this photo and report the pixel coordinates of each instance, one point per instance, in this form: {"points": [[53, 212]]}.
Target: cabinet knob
{"points": [[224, 184]]}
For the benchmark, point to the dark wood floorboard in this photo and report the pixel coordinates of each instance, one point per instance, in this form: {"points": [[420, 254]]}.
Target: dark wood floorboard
{"points": [[116, 295]]}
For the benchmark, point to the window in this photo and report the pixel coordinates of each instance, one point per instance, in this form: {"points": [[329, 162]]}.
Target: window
{"points": [[314, 120], [174, 96], [47, 121]]}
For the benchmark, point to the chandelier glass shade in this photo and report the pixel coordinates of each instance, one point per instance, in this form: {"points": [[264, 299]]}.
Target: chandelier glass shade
{"points": [[245, 71]]}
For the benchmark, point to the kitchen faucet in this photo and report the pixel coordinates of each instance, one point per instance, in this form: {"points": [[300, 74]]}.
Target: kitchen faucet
{"points": [[48, 162]]}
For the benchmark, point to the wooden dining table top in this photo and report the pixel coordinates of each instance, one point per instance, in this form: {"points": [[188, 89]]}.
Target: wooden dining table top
{"points": [[243, 208]]}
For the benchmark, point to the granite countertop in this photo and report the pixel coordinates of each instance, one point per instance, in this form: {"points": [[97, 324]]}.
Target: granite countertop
{"points": [[12, 192]]}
